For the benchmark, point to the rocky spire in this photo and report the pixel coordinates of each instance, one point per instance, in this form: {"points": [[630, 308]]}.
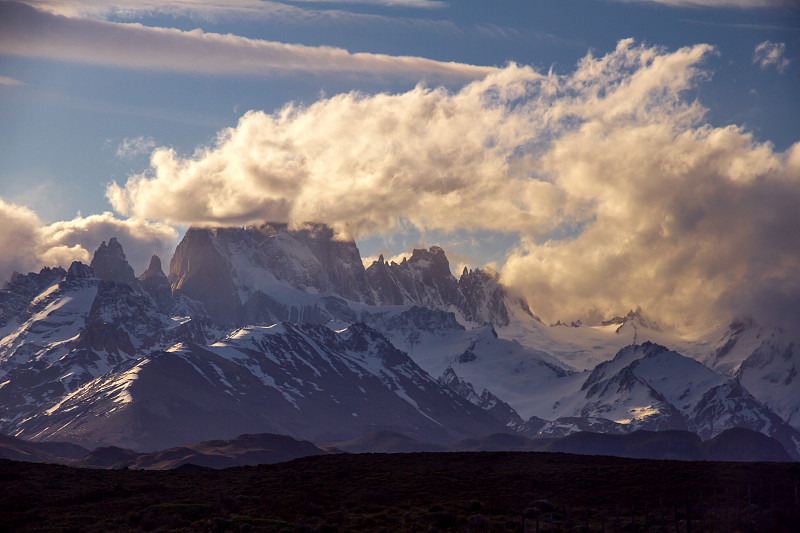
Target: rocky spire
{"points": [[78, 270], [155, 283], [109, 263], [154, 271]]}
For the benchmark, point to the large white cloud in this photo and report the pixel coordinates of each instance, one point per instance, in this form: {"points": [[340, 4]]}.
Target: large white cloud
{"points": [[652, 206], [27, 243], [28, 32], [360, 163]]}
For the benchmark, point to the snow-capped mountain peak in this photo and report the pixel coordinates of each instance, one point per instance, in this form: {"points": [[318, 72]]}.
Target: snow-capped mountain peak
{"points": [[275, 329]]}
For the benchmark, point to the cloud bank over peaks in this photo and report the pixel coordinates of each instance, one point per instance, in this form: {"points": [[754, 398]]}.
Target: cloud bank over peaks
{"points": [[28, 244], [652, 206], [360, 163]]}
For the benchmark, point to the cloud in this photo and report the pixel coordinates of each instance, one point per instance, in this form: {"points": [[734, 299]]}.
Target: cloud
{"points": [[206, 9], [202, 9], [132, 147], [5, 80], [393, 258], [421, 4], [27, 32], [769, 54], [740, 4], [27, 244], [621, 195], [360, 163]]}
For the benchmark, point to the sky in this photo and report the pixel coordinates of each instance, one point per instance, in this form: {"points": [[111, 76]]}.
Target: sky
{"points": [[600, 155]]}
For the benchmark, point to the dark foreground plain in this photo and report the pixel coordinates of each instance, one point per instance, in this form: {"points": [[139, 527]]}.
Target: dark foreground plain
{"points": [[466, 491]]}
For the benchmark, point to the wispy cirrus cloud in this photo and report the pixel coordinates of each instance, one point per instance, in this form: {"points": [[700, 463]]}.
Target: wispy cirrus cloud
{"points": [[740, 4], [208, 8], [421, 4], [5, 80], [26, 31], [769, 54], [692, 222]]}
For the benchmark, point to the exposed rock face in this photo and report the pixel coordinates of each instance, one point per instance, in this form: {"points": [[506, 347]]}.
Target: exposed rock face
{"points": [[485, 298], [199, 270], [226, 268], [425, 280], [246, 275], [124, 361], [155, 283], [340, 263], [109, 263], [78, 271]]}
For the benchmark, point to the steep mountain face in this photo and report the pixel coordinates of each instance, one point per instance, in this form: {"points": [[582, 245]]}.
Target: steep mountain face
{"points": [[156, 284], [408, 281], [766, 361], [264, 271], [34, 367], [201, 271], [490, 403], [76, 329], [271, 329], [18, 293], [109, 263], [516, 374], [271, 273], [304, 381], [650, 387], [425, 280]]}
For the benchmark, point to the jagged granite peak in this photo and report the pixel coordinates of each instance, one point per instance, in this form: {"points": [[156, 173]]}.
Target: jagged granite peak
{"points": [[271, 272], [154, 270], [385, 288], [155, 282], [636, 318], [425, 279], [225, 268], [109, 263], [15, 275], [485, 297], [200, 270], [78, 270]]}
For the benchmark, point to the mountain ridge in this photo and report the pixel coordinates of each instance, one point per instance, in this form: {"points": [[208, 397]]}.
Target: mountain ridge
{"points": [[81, 355]]}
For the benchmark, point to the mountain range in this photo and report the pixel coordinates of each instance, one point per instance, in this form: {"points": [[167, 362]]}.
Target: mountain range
{"points": [[268, 329]]}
